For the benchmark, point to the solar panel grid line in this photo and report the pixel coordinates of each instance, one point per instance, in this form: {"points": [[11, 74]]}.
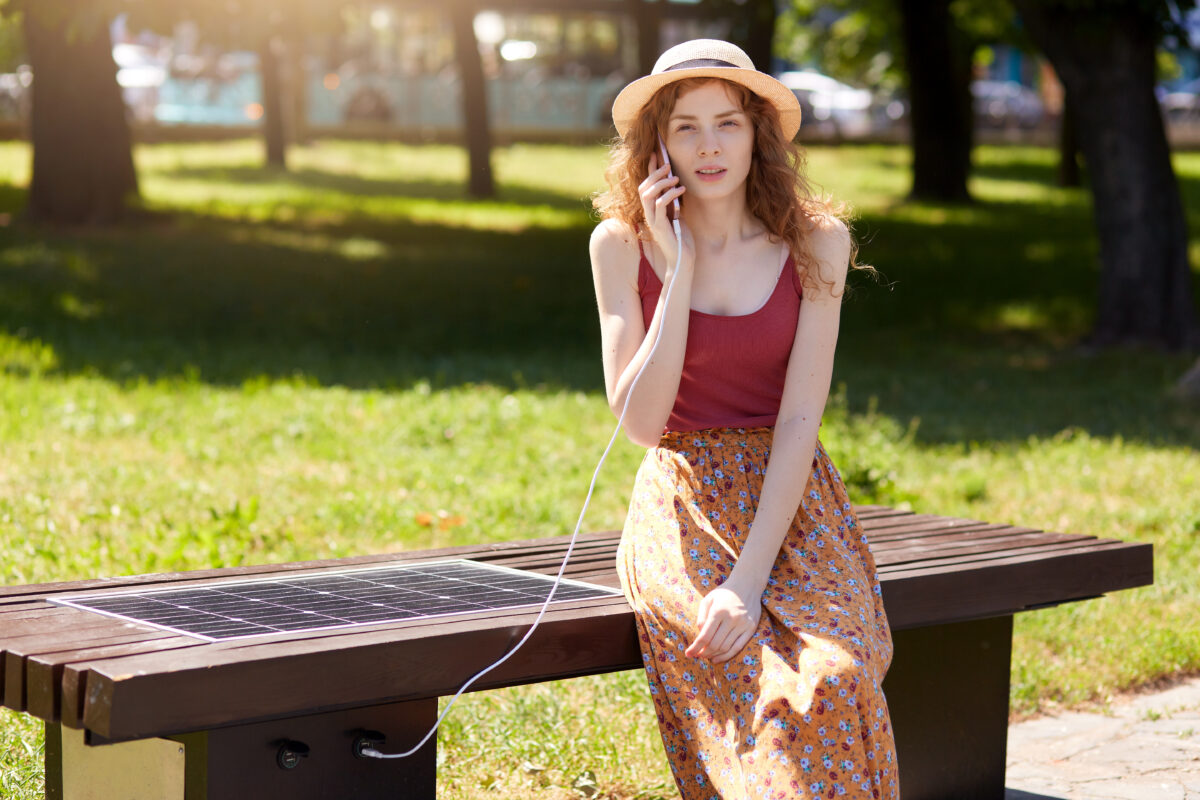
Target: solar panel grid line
{"points": [[330, 600]]}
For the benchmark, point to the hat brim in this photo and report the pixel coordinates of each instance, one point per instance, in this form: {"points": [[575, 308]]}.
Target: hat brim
{"points": [[631, 99]]}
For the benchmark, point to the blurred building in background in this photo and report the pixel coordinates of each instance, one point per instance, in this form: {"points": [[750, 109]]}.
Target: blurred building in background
{"points": [[391, 71]]}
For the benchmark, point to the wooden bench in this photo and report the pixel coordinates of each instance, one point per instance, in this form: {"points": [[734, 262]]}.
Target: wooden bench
{"points": [[209, 719]]}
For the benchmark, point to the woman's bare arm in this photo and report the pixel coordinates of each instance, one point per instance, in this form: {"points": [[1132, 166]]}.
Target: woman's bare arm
{"points": [[626, 341]]}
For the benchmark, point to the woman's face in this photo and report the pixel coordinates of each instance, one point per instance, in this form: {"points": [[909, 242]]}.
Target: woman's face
{"points": [[707, 132]]}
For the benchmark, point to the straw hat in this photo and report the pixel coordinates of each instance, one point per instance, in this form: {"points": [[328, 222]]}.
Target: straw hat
{"points": [[706, 58]]}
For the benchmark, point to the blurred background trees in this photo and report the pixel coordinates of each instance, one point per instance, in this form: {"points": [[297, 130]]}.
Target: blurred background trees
{"points": [[414, 68], [1105, 53]]}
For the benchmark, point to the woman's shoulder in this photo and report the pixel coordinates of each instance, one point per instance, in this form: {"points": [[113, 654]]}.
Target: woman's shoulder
{"points": [[830, 241], [614, 247], [829, 230]]}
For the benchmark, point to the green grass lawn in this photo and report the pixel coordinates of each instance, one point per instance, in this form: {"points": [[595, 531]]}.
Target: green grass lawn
{"points": [[353, 358]]}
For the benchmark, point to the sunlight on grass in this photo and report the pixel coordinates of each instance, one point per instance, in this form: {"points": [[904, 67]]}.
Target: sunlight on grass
{"points": [[162, 477], [22, 751], [538, 741], [338, 181], [21, 356]]}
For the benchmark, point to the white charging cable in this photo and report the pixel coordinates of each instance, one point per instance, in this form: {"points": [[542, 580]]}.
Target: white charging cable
{"points": [[372, 752]]}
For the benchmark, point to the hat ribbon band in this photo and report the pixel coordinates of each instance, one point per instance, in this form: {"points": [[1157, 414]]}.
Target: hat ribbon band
{"points": [[701, 62]]}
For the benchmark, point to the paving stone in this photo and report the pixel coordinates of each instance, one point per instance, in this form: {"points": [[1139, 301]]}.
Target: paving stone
{"points": [[1141, 748]]}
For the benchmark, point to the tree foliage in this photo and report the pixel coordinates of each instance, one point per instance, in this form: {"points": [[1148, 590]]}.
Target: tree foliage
{"points": [[858, 41], [12, 44]]}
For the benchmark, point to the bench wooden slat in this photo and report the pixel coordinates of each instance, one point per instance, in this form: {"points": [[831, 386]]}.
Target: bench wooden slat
{"points": [[952, 563], [16, 683], [989, 589], [932, 542], [42, 619], [963, 546], [21, 610], [44, 671], [930, 522], [902, 534]]}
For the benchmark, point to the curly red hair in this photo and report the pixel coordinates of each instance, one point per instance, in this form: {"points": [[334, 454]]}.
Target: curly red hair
{"points": [[777, 190]]}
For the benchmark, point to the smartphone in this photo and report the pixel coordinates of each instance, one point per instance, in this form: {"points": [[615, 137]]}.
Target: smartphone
{"points": [[667, 160]]}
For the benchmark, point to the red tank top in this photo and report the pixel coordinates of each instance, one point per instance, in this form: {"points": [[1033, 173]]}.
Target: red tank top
{"points": [[734, 366]]}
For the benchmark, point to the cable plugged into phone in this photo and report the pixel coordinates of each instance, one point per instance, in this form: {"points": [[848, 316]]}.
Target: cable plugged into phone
{"points": [[367, 749]]}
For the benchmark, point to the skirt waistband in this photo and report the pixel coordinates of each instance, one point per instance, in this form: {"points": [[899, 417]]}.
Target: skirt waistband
{"points": [[711, 438]]}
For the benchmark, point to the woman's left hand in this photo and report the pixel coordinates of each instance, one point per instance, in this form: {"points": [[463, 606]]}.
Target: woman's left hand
{"points": [[727, 619]]}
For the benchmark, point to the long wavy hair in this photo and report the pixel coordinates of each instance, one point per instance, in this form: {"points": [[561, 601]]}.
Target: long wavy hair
{"points": [[778, 192]]}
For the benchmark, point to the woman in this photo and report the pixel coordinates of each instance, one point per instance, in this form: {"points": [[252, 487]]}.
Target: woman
{"points": [[757, 602]]}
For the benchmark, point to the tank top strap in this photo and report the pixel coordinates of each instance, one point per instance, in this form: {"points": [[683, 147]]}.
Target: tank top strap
{"points": [[646, 280], [797, 284]]}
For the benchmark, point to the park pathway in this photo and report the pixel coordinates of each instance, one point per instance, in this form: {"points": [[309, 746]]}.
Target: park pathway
{"points": [[1143, 747]]}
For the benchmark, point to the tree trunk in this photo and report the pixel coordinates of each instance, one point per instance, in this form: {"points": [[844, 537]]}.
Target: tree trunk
{"points": [[297, 59], [938, 60], [477, 131], [83, 169], [753, 29], [1068, 145], [647, 18], [1106, 61], [270, 63]]}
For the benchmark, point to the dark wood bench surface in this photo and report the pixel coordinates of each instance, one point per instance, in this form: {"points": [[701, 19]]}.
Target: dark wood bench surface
{"points": [[126, 681]]}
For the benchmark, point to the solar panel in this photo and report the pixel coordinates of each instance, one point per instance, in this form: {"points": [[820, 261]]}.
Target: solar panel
{"points": [[342, 598]]}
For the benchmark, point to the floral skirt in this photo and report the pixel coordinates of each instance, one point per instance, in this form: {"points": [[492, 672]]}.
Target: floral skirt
{"points": [[800, 711]]}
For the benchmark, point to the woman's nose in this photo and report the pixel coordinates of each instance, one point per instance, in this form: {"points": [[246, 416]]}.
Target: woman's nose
{"points": [[709, 146]]}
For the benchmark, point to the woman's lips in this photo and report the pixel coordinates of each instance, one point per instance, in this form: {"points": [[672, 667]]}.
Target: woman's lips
{"points": [[709, 177]]}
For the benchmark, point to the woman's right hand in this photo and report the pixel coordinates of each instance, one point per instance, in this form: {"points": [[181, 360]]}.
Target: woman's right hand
{"points": [[658, 192]]}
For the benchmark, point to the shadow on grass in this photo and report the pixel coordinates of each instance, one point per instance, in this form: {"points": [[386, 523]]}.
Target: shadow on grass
{"points": [[1024, 171], [360, 186], [971, 330], [226, 302]]}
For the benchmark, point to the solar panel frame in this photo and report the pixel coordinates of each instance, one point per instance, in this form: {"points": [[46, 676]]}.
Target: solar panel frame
{"points": [[288, 608]]}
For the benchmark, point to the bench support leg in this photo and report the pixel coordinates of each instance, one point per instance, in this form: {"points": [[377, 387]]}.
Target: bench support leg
{"points": [[947, 693], [54, 787], [240, 762], [145, 769], [243, 761]]}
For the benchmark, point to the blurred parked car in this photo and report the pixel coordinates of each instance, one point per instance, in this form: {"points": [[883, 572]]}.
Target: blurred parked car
{"points": [[1181, 103], [14, 93], [140, 73], [1006, 104], [829, 103], [215, 90]]}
